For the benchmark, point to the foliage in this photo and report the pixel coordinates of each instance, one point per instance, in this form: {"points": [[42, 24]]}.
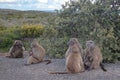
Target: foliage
{"points": [[5, 42], [7, 37], [26, 33], [98, 21], [31, 31], [10, 17], [49, 32], [55, 47]]}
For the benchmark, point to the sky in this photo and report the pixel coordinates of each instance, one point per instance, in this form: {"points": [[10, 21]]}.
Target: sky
{"points": [[32, 4]]}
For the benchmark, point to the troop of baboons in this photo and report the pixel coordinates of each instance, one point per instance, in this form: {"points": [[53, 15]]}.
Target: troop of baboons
{"points": [[77, 59]]}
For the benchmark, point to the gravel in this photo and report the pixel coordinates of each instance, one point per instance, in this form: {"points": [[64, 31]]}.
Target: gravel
{"points": [[14, 69]]}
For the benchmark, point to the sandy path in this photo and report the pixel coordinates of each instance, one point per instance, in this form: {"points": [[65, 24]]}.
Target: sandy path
{"points": [[14, 69]]}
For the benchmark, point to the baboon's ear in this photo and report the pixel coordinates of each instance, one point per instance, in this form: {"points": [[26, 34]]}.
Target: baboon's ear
{"points": [[15, 41]]}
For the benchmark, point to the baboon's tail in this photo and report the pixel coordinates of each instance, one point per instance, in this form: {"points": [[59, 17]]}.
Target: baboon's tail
{"points": [[58, 72], [102, 67], [48, 61], [8, 56]]}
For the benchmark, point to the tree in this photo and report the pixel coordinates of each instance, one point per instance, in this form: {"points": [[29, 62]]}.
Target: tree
{"points": [[98, 20]]}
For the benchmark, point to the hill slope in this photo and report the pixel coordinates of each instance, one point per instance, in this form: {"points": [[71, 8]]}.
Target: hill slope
{"points": [[10, 17]]}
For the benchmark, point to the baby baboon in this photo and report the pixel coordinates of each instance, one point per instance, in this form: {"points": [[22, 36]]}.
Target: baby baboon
{"points": [[16, 51], [37, 54], [92, 56], [74, 62]]}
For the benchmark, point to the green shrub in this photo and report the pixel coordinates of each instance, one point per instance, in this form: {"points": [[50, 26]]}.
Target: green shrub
{"points": [[2, 28], [5, 43], [55, 47], [49, 32], [31, 31], [7, 37], [93, 21]]}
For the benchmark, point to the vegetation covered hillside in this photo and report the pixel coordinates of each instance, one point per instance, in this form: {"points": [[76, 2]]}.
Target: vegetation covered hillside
{"points": [[15, 24], [98, 21], [10, 18]]}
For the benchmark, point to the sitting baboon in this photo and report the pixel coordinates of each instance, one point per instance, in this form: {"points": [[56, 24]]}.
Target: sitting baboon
{"points": [[79, 46], [74, 62], [17, 50], [36, 54], [92, 56]]}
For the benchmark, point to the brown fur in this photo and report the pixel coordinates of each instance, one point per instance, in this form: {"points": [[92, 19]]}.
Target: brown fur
{"points": [[37, 54], [74, 62], [16, 51], [92, 56]]}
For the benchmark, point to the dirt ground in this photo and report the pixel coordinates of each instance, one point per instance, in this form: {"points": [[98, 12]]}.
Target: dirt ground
{"points": [[14, 69]]}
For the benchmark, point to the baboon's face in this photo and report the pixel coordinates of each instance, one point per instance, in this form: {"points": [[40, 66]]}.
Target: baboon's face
{"points": [[90, 44], [34, 44], [18, 43], [72, 41]]}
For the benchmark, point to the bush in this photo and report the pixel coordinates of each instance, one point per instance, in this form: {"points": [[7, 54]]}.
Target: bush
{"points": [[93, 21], [55, 47], [5, 43], [31, 31], [109, 45], [7, 37], [49, 32]]}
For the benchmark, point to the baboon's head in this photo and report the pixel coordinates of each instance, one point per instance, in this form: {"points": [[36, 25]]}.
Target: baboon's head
{"points": [[34, 44], [90, 44], [72, 41], [18, 43]]}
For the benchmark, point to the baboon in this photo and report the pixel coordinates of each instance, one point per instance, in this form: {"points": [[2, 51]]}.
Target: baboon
{"points": [[36, 54], [92, 56], [74, 62], [79, 46], [17, 50]]}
